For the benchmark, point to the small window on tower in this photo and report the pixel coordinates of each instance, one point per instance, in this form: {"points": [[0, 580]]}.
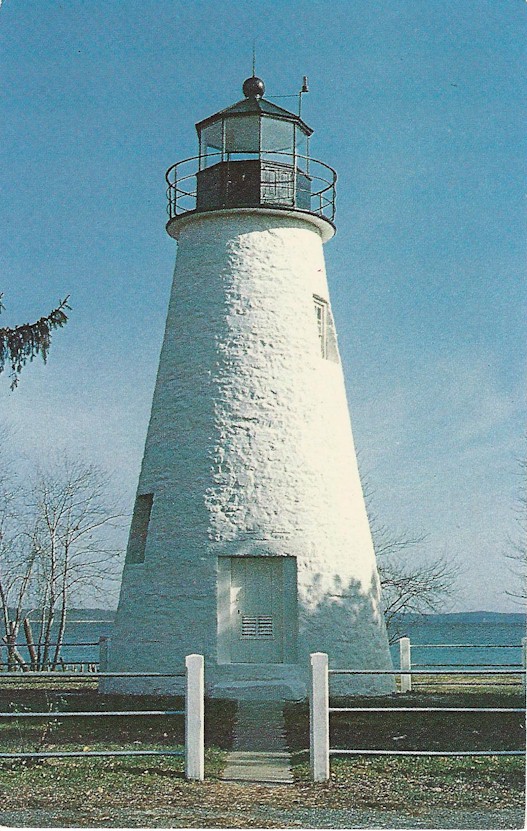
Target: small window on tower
{"points": [[321, 311], [277, 186], [326, 330], [135, 552]]}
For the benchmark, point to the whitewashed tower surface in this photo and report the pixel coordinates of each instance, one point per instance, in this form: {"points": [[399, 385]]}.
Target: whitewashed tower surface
{"points": [[249, 540]]}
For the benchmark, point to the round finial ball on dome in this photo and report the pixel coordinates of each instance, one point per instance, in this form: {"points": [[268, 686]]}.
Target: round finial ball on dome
{"points": [[253, 87]]}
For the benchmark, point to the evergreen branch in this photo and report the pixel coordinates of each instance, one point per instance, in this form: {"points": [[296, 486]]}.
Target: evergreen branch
{"points": [[21, 344]]}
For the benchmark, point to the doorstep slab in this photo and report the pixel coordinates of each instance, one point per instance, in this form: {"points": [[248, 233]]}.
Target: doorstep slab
{"points": [[259, 767]]}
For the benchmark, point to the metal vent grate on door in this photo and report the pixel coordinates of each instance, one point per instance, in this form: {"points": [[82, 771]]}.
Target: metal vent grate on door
{"points": [[257, 626]]}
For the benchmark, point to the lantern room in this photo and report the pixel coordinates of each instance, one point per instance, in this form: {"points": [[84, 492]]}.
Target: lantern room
{"points": [[251, 127], [253, 154]]}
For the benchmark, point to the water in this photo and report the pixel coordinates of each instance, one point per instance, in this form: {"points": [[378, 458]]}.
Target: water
{"points": [[85, 627], [485, 629], [482, 628]]}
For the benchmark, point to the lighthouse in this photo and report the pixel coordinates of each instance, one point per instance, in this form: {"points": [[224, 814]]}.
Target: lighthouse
{"points": [[249, 541]]}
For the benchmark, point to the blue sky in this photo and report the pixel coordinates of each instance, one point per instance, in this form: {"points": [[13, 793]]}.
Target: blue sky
{"points": [[420, 107]]}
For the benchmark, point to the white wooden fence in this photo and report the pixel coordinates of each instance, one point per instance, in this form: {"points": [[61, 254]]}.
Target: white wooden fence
{"points": [[194, 715], [406, 664], [320, 711]]}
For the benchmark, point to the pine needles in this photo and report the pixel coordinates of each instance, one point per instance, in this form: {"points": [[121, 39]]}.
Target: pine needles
{"points": [[19, 345]]}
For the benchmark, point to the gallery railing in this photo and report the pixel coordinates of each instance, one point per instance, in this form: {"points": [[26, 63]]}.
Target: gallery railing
{"points": [[287, 191]]}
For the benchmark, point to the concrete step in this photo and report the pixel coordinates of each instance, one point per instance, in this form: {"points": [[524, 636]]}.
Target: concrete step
{"points": [[259, 767]]}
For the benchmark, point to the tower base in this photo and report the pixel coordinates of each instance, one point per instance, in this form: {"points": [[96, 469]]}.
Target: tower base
{"points": [[252, 682]]}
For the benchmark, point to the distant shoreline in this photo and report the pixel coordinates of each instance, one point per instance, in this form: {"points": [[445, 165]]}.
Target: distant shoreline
{"points": [[462, 617], [97, 615]]}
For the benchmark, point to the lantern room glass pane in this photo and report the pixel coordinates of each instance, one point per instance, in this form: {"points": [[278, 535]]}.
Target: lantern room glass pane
{"points": [[301, 142], [277, 136], [302, 150], [242, 134], [211, 142]]}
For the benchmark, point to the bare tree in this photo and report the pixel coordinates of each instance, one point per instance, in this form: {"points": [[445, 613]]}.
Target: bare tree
{"points": [[412, 579], [16, 566], [21, 344], [414, 587], [61, 550], [517, 543], [73, 544]]}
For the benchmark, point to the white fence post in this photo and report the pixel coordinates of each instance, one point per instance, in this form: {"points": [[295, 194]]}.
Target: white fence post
{"points": [[195, 718], [103, 653], [319, 717], [405, 662], [524, 662]]}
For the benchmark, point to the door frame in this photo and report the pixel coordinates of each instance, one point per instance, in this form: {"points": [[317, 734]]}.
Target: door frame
{"points": [[289, 608]]}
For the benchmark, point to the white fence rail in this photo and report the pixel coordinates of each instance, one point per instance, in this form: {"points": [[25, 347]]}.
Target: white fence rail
{"points": [[406, 664], [194, 713], [320, 711]]}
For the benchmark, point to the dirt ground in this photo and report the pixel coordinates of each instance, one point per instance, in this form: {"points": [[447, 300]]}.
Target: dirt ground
{"points": [[133, 795]]}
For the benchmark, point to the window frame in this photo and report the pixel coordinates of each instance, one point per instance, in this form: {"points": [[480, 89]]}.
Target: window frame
{"points": [[322, 323]]}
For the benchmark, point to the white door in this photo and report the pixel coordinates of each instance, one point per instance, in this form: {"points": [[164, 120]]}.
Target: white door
{"points": [[256, 610]]}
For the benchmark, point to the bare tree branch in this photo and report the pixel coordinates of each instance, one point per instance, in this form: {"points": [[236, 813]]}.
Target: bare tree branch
{"points": [[413, 579], [63, 548], [517, 544]]}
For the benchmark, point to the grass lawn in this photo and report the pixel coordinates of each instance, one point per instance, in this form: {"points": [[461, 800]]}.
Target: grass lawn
{"points": [[152, 792]]}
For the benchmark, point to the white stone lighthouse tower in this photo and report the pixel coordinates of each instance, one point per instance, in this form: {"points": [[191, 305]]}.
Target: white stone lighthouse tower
{"points": [[249, 541]]}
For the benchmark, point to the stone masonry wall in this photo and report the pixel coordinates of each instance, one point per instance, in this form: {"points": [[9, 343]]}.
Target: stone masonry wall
{"points": [[249, 449]]}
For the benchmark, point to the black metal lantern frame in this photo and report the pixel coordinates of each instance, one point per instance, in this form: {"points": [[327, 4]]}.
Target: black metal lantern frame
{"points": [[250, 157]]}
